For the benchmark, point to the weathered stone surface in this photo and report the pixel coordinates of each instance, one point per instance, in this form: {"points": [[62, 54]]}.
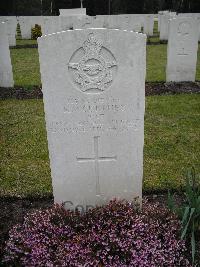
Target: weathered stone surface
{"points": [[182, 50], [72, 12], [160, 13], [25, 26], [194, 16], [6, 75], [164, 27], [131, 22], [164, 24], [66, 22], [148, 24], [11, 27], [94, 85], [85, 22], [51, 24]]}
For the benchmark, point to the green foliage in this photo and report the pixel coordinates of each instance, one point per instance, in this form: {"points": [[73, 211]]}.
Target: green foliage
{"points": [[36, 32], [18, 33], [189, 212]]}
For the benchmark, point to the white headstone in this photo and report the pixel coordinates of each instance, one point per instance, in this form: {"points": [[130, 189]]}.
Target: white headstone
{"points": [[85, 22], [72, 12], [194, 16], [182, 50], [11, 26], [198, 20], [129, 22], [51, 24], [148, 24], [94, 91], [6, 75], [159, 15], [67, 22], [37, 20], [164, 27], [25, 26]]}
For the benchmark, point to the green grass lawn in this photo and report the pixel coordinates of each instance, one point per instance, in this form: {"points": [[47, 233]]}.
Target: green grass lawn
{"points": [[25, 42], [154, 39], [155, 29], [172, 126], [26, 65], [156, 62]]}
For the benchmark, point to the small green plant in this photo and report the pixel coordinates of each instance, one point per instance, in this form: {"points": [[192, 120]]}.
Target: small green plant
{"points": [[189, 212], [36, 32], [18, 35]]}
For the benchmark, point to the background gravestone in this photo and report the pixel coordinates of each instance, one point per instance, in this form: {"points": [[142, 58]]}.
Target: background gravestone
{"points": [[148, 24], [85, 22], [182, 50], [51, 24], [6, 75], [94, 90], [72, 11], [25, 26], [11, 27], [164, 28]]}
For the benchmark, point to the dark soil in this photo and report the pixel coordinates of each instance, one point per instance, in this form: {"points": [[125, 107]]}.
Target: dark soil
{"points": [[152, 88], [163, 88], [24, 46], [21, 92]]}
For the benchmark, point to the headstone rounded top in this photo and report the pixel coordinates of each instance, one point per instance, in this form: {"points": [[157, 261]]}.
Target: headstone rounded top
{"points": [[137, 34]]}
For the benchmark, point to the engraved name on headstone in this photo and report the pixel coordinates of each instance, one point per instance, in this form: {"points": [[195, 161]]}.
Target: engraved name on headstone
{"points": [[93, 85]]}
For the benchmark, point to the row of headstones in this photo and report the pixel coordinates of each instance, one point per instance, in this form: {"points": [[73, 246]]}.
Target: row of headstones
{"points": [[94, 101], [164, 18], [181, 52], [93, 83], [133, 22], [50, 24]]}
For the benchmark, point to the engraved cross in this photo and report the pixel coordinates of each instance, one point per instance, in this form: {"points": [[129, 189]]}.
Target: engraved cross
{"points": [[182, 52], [96, 159]]}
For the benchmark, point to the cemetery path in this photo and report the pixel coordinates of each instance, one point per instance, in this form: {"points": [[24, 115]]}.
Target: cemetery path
{"points": [[151, 88]]}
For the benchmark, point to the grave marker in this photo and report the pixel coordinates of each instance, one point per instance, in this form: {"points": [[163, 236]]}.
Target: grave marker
{"points": [[11, 26], [25, 26], [94, 89], [6, 75], [72, 11], [182, 50]]}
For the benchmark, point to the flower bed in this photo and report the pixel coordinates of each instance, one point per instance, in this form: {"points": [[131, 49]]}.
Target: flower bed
{"points": [[114, 235]]}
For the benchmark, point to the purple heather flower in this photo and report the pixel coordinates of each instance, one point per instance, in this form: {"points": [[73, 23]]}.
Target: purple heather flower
{"points": [[114, 235]]}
